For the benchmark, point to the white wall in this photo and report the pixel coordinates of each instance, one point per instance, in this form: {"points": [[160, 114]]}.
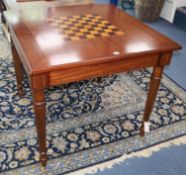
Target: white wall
{"points": [[169, 8]]}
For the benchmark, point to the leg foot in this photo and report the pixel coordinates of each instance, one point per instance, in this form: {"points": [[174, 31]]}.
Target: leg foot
{"points": [[43, 159]]}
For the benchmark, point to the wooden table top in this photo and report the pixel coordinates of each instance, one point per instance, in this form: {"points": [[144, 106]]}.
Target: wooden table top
{"points": [[32, 4], [57, 38]]}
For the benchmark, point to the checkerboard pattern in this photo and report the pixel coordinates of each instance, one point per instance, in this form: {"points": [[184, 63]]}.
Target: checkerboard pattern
{"points": [[87, 26]]}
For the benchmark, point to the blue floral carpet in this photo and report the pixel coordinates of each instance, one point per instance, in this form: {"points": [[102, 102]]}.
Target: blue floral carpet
{"points": [[88, 122]]}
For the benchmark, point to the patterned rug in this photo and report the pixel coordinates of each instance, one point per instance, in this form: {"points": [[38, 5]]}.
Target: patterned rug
{"points": [[88, 122]]}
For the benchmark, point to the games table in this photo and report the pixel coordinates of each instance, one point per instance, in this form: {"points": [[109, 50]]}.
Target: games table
{"points": [[68, 44]]}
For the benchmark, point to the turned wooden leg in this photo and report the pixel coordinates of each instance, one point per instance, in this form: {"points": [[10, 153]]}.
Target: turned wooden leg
{"points": [[40, 118], [18, 70], [153, 88]]}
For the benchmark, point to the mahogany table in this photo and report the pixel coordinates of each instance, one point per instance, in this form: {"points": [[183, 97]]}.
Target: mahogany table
{"points": [[75, 43]]}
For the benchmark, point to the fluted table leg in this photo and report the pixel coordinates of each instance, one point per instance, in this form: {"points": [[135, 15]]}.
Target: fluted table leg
{"points": [[40, 118]]}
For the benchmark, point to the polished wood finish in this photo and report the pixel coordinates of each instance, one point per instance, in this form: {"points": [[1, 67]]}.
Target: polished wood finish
{"points": [[101, 69], [35, 4], [15, 5], [50, 60]]}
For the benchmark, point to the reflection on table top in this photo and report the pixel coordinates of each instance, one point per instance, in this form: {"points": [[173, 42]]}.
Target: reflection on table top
{"points": [[32, 4]]}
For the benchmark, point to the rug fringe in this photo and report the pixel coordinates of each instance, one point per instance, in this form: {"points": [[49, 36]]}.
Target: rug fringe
{"points": [[142, 154]]}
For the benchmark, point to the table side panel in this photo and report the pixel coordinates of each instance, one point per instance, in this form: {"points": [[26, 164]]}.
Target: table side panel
{"points": [[101, 69]]}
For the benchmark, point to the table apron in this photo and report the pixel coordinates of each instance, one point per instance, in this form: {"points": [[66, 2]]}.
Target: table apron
{"points": [[101, 69]]}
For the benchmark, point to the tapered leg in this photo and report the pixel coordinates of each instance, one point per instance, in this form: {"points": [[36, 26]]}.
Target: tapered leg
{"points": [[18, 70], [153, 88], [40, 118]]}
